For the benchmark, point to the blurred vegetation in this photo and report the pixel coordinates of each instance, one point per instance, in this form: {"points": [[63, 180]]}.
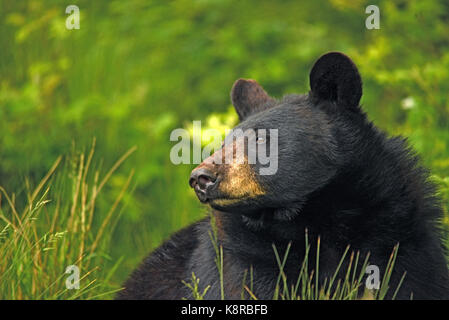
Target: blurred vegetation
{"points": [[137, 69]]}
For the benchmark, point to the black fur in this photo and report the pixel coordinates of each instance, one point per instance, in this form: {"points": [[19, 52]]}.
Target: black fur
{"points": [[340, 178]]}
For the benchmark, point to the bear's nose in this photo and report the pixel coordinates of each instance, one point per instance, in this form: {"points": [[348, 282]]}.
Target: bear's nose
{"points": [[202, 177], [201, 180]]}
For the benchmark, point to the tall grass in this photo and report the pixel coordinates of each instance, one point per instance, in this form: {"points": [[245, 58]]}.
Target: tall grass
{"points": [[218, 248], [350, 286], [56, 225]]}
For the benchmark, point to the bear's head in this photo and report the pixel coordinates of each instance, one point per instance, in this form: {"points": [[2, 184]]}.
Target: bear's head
{"points": [[283, 150]]}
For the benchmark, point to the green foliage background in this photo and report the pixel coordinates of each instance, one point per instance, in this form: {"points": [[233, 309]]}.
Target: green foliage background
{"points": [[137, 69]]}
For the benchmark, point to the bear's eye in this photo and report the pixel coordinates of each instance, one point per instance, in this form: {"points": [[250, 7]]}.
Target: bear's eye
{"points": [[260, 140]]}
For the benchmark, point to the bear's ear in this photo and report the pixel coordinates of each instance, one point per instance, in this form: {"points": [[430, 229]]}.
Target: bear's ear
{"points": [[248, 97], [334, 77]]}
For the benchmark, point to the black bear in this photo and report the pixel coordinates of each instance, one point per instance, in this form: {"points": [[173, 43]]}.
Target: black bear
{"points": [[338, 179]]}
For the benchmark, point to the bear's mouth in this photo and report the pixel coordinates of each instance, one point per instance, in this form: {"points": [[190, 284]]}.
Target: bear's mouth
{"points": [[214, 199], [224, 202], [201, 194]]}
